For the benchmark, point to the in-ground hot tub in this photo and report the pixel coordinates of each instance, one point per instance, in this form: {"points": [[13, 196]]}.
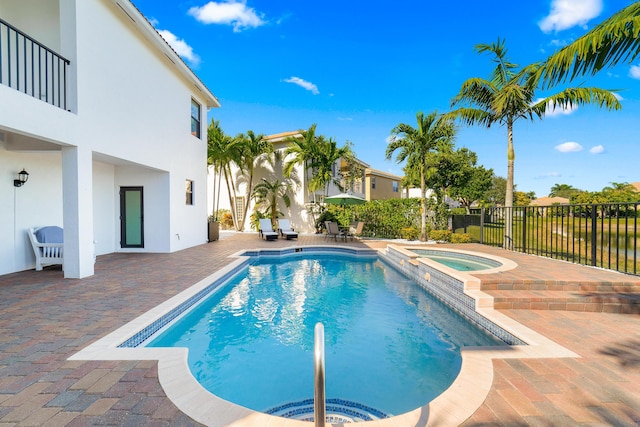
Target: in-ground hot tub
{"points": [[459, 260]]}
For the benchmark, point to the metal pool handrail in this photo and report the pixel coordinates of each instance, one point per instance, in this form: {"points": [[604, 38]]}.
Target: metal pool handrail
{"points": [[319, 408]]}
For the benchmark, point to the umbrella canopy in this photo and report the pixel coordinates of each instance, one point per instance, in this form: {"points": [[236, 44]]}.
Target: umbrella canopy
{"points": [[344, 199]]}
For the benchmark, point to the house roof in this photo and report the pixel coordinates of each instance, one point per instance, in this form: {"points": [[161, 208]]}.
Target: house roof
{"points": [[376, 172], [547, 201], [277, 137], [151, 34]]}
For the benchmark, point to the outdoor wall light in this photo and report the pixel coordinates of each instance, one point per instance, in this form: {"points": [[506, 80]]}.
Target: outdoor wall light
{"points": [[22, 178]]}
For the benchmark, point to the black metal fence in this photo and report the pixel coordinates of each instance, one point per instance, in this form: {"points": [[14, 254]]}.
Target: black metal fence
{"points": [[601, 235], [32, 68]]}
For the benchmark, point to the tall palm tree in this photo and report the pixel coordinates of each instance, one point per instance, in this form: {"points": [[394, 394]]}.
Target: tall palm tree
{"points": [[415, 146], [303, 151], [615, 40], [222, 151], [253, 148], [508, 96]]}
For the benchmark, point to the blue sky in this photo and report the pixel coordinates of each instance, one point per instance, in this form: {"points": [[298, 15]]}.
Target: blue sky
{"points": [[358, 69]]}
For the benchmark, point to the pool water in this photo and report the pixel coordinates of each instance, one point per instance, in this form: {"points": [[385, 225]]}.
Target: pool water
{"points": [[460, 262], [388, 343]]}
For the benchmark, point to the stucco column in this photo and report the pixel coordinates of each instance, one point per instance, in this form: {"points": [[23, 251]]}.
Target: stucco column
{"points": [[77, 209]]}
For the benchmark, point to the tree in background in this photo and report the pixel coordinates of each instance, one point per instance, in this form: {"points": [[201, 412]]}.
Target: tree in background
{"points": [[416, 145], [494, 196], [470, 182], [563, 190], [222, 152], [508, 96], [318, 156], [253, 149], [520, 198]]}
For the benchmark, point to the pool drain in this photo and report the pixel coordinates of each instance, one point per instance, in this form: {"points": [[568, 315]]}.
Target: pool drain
{"points": [[337, 411]]}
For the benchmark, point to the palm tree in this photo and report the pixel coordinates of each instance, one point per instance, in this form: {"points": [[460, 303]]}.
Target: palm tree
{"points": [[252, 147], [509, 95], [415, 146], [615, 40], [222, 151], [303, 151], [323, 166], [268, 194], [318, 156], [563, 190]]}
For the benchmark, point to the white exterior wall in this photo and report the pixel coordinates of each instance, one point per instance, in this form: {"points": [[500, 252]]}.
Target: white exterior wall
{"points": [[129, 122]]}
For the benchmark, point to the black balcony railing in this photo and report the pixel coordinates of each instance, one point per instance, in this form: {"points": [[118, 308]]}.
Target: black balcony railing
{"points": [[32, 68], [603, 235]]}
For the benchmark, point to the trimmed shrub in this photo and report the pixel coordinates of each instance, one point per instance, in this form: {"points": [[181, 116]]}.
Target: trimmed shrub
{"points": [[440, 235], [410, 233], [460, 238]]}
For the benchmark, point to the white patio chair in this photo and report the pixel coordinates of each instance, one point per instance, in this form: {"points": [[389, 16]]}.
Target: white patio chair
{"points": [[47, 246]]}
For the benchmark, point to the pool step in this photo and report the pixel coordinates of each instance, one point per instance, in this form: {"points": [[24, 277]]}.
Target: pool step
{"points": [[607, 302], [337, 411]]}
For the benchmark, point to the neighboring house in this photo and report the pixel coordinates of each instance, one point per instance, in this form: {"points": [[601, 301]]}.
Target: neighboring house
{"points": [[636, 185], [381, 185], [109, 123], [544, 202], [548, 201], [304, 206]]}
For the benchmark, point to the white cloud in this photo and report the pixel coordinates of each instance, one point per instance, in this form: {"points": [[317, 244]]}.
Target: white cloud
{"points": [[597, 149], [634, 72], [565, 14], [234, 13], [569, 147], [303, 84], [348, 119], [180, 46], [558, 110]]}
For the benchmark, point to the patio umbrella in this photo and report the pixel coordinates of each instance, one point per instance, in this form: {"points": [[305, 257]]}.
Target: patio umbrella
{"points": [[344, 199]]}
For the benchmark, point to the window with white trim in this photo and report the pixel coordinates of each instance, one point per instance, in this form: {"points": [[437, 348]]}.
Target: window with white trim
{"points": [[195, 118]]}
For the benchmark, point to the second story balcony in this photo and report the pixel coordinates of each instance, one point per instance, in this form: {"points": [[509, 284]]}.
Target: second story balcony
{"points": [[31, 67]]}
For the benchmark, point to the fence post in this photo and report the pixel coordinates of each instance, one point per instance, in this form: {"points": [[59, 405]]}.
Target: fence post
{"points": [[524, 229], [482, 225], [594, 226]]}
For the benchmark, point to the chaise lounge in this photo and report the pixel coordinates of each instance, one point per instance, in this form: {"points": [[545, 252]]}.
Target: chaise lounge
{"points": [[286, 230], [266, 230]]}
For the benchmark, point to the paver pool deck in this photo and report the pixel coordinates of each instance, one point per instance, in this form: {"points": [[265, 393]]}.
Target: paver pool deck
{"points": [[44, 319]]}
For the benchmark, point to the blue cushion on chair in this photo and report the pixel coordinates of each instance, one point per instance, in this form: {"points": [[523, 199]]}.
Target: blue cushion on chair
{"points": [[51, 234]]}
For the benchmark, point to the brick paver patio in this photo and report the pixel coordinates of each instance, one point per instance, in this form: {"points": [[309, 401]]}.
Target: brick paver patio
{"points": [[44, 319]]}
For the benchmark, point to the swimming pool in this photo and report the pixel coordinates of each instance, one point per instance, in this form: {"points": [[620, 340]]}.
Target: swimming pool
{"points": [[459, 261], [391, 346], [452, 407]]}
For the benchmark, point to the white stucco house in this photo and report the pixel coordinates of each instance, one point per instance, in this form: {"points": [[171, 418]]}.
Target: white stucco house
{"points": [[110, 125], [304, 204]]}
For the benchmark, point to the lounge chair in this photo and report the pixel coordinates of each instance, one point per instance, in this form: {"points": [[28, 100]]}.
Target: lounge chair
{"points": [[355, 230], [333, 230], [47, 246], [286, 230], [266, 230]]}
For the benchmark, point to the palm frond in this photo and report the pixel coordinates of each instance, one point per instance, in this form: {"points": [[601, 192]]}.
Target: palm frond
{"points": [[615, 40]]}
